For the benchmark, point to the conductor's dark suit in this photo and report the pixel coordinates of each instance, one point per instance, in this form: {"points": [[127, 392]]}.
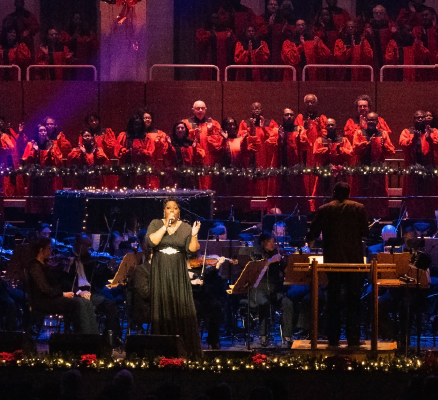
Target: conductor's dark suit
{"points": [[343, 225]]}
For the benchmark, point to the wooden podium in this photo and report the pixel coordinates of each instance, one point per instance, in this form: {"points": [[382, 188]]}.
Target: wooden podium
{"points": [[316, 269]]}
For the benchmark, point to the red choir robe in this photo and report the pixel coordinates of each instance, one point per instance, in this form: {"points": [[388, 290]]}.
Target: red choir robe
{"points": [[108, 142], [258, 56], [314, 126], [46, 185], [238, 21], [19, 55], [299, 56], [81, 160], [353, 124], [25, 21], [209, 159], [326, 152], [9, 158], [137, 154], [160, 158], [429, 38], [378, 35], [418, 185], [360, 54], [183, 157], [340, 17], [416, 54], [274, 35], [85, 51], [262, 148], [408, 17], [375, 185], [216, 49], [60, 57], [293, 148], [328, 37]]}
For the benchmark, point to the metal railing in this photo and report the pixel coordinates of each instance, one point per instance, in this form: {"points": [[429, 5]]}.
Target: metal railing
{"points": [[411, 66], [12, 67], [185, 66], [61, 66], [369, 67], [294, 71]]}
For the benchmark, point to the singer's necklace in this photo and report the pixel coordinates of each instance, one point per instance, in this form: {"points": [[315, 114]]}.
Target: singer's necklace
{"points": [[171, 230]]}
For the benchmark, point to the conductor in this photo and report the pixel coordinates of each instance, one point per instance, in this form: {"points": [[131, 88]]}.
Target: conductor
{"points": [[343, 224]]}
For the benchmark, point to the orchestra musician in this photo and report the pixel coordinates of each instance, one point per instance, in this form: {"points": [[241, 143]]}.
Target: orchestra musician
{"points": [[86, 279], [47, 296], [271, 291], [208, 290]]}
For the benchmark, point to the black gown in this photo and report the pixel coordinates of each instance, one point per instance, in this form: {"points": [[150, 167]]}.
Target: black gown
{"points": [[172, 308]]}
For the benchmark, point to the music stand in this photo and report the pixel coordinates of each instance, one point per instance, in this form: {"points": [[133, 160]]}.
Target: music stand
{"points": [[249, 276]]}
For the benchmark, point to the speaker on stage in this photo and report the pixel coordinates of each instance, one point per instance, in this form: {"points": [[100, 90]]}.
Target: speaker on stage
{"points": [[79, 344], [12, 341], [170, 346]]}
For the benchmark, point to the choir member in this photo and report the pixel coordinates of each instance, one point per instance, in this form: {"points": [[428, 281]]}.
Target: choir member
{"points": [[314, 124], [27, 25], [431, 119], [82, 42], [133, 150], [404, 49], [378, 31], [274, 27], [54, 134], [251, 51], [325, 28], [340, 16], [186, 153], [293, 145], [236, 16], [302, 49], [106, 139], [215, 45], [53, 53], [428, 35], [45, 153], [411, 15], [353, 49], [13, 52], [205, 131], [371, 145], [260, 133], [11, 144], [363, 105], [160, 149], [87, 154], [332, 149], [420, 147]]}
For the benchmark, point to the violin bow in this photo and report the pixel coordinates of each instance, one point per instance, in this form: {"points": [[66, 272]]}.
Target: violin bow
{"points": [[205, 254]]}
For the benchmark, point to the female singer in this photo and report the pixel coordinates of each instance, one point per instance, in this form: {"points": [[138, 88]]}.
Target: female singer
{"points": [[173, 309]]}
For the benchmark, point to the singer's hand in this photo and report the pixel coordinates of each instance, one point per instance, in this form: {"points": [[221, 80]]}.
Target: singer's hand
{"points": [[70, 295], [170, 220], [195, 228]]}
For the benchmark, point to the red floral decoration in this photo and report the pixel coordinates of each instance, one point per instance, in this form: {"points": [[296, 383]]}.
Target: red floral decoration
{"points": [[88, 358], [259, 359], [172, 363], [7, 356]]}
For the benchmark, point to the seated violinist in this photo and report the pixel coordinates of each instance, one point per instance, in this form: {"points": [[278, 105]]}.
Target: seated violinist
{"points": [[87, 278], [87, 154], [46, 295], [207, 293], [272, 291]]}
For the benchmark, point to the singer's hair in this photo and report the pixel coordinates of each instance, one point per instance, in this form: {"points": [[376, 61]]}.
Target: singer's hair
{"points": [[166, 200]]}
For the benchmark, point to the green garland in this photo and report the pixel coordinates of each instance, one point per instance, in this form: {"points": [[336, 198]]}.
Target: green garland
{"points": [[251, 173], [223, 364]]}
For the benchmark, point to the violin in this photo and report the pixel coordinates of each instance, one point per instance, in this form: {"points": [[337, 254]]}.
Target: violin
{"points": [[210, 261]]}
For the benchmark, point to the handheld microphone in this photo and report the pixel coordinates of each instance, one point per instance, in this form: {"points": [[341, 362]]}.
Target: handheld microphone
{"points": [[170, 221]]}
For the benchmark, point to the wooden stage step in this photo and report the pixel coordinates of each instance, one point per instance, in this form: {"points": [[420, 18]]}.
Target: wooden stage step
{"points": [[385, 350]]}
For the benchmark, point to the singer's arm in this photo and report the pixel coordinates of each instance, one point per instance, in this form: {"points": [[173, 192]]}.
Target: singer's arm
{"points": [[156, 236]]}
